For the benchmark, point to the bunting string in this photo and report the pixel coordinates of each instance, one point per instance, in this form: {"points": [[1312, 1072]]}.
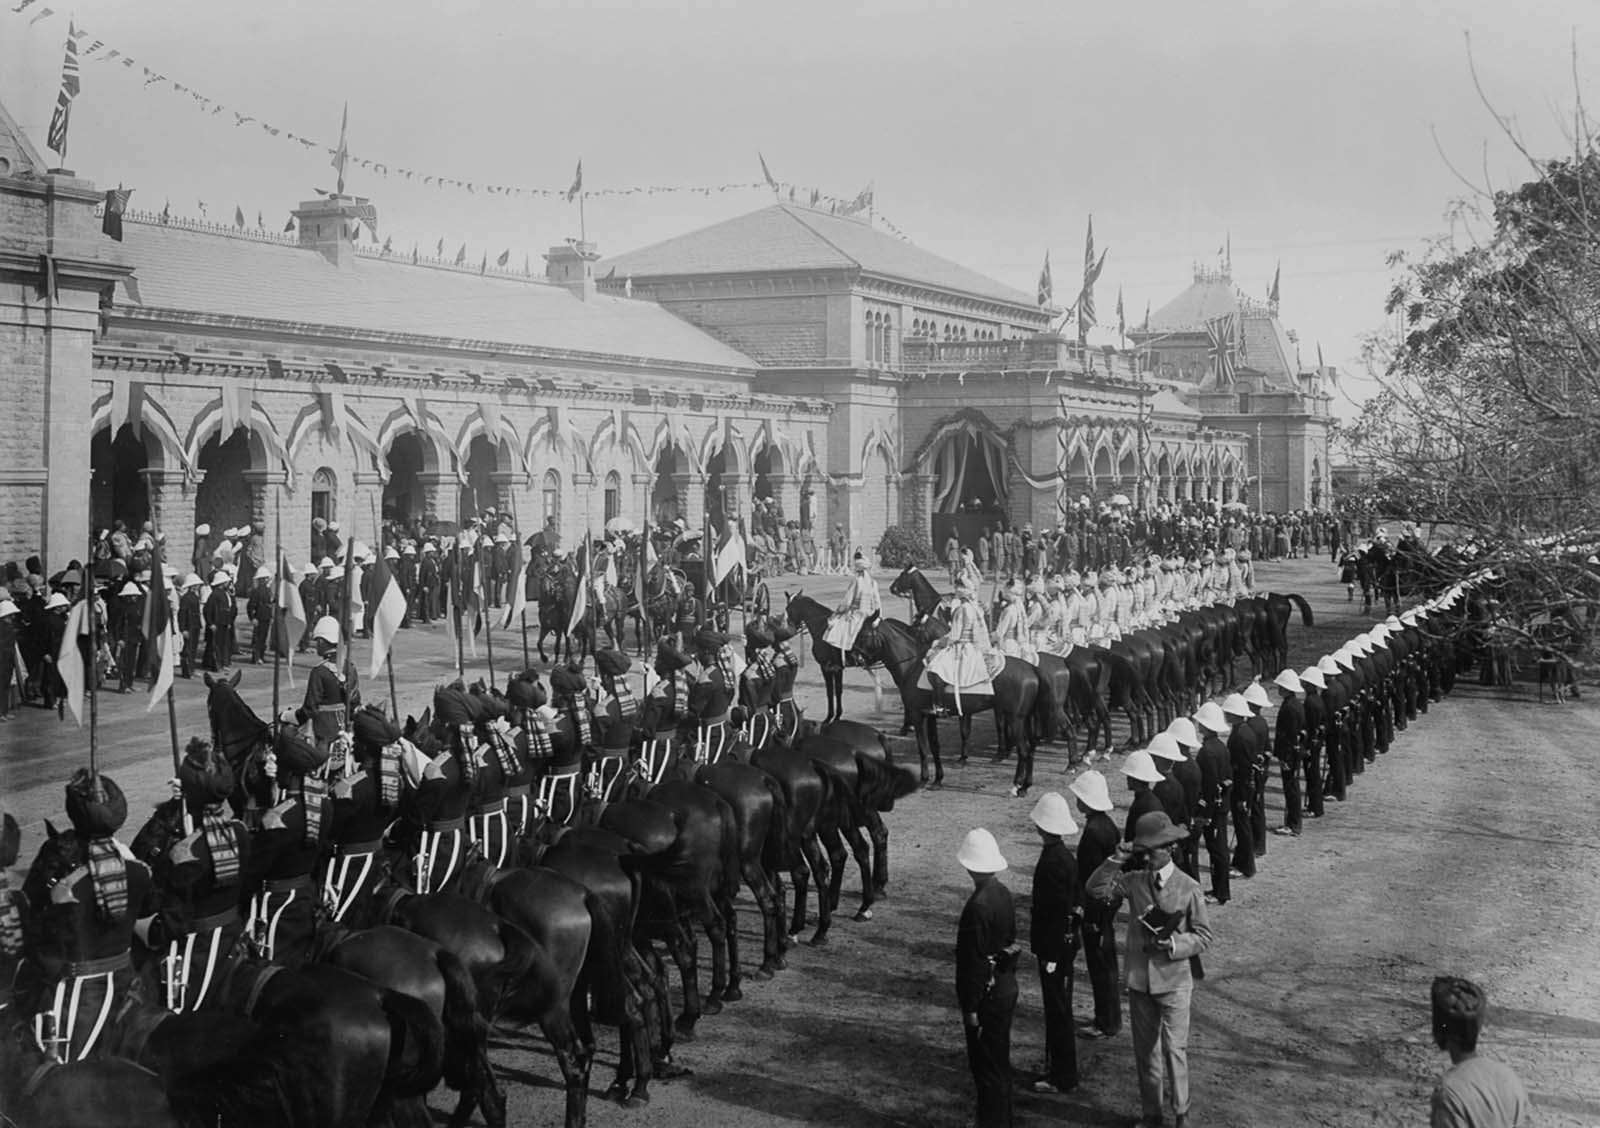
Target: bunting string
{"points": [[100, 51]]}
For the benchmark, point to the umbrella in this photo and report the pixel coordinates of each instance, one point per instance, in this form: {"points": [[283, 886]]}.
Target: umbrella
{"points": [[1234, 505], [619, 525], [1120, 499]]}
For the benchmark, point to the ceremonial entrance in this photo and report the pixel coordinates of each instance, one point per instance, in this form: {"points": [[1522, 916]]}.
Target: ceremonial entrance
{"points": [[969, 490], [119, 488], [480, 491], [672, 472], [402, 493]]}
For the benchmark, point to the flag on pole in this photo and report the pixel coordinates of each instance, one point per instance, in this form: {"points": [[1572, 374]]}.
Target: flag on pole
{"points": [[766, 173], [292, 606], [57, 137], [577, 184], [505, 257], [1091, 274], [580, 601], [387, 615], [70, 661], [1122, 320], [238, 216], [1047, 289], [519, 594], [1146, 317], [1320, 365], [1224, 335], [1277, 274], [731, 554], [461, 255], [472, 608], [159, 629], [641, 570], [341, 155], [116, 205]]}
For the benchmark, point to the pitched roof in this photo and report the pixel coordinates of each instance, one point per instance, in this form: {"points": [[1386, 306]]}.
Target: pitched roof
{"points": [[268, 279], [1266, 345], [785, 237], [1207, 298]]}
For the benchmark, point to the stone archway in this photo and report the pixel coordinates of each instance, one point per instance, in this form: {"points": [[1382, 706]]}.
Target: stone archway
{"points": [[480, 492], [224, 498], [667, 499], [119, 487], [410, 457]]}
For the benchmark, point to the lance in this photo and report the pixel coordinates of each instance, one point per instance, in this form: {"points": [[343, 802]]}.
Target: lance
{"points": [[483, 608], [277, 602], [94, 662], [522, 576], [388, 657], [172, 707]]}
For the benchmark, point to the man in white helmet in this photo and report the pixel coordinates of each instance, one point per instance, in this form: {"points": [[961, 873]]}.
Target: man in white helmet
{"points": [[1054, 938], [986, 976], [328, 695]]}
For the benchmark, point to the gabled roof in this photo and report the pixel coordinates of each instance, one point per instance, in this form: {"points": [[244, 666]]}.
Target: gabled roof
{"points": [[785, 238], [1208, 298], [267, 279], [1265, 347], [17, 150]]}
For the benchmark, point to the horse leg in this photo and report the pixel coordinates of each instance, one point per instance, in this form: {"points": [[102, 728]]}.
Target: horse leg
{"points": [[832, 841], [931, 733], [755, 876], [966, 736], [800, 878], [561, 1030], [684, 947], [728, 915], [710, 917], [879, 832], [863, 855]]}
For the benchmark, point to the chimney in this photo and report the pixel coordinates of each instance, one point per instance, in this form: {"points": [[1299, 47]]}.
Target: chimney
{"points": [[326, 225], [572, 265]]}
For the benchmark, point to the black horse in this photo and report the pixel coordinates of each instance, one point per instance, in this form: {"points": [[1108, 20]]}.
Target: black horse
{"points": [[803, 611], [1013, 702]]}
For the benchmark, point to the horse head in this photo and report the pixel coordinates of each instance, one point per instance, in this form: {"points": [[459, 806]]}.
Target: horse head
{"points": [[905, 583]]}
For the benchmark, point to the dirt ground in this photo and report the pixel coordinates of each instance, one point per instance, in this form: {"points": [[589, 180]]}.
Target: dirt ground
{"points": [[1453, 854]]}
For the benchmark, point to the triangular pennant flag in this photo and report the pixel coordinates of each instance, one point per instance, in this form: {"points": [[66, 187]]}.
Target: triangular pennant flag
{"points": [[159, 630], [387, 615], [69, 663]]}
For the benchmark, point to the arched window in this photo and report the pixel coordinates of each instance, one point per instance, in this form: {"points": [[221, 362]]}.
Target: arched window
{"points": [[613, 495], [887, 353], [324, 503], [550, 497], [872, 338]]}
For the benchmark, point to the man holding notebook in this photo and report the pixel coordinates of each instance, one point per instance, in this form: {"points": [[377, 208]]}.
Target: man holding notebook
{"points": [[1167, 932]]}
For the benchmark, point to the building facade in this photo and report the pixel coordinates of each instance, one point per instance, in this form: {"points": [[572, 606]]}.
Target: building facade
{"points": [[203, 374]]}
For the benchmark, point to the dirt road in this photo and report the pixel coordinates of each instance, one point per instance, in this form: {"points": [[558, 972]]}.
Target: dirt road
{"points": [[1470, 848], [1453, 854]]}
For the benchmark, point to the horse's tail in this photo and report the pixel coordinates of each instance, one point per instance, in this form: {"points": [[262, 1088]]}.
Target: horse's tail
{"points": [[728, 851], [1123, 678], [779, 847], [411, 1025], [465, 1030], [1046, 709], [604, 962], [1306, 619]]}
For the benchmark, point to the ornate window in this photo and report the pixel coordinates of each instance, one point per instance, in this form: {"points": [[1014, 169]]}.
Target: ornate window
{"points": [[613, 495], [550, 497]]}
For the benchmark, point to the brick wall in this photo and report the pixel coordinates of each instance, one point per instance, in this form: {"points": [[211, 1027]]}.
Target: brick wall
{"points": [[773, 330]]}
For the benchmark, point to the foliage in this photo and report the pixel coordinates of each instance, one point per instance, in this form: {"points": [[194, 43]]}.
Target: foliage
{"points": [[1488, 416], [900, 547]]}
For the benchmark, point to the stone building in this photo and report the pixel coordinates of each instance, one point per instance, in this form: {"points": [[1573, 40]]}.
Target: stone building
{"points": [[1276, 402], [196, 373]]}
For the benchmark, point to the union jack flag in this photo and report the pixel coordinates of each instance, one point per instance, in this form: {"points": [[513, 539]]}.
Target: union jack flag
{"points": [[57, 137], [1224, 334]]}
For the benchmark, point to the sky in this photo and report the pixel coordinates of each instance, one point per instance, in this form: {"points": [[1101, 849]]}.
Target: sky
{"points": [[1316, 136]]}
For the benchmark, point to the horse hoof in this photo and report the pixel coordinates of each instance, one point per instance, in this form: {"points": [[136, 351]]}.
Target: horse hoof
{"points": [[669, 1070], [864, 915], [937, 784], [819, 940], [880, 893], [637, 1099], [733, 994], [775, 964], [618, 1092], [761, 974], [961, 759], [712, 1005], [685, 1030]]}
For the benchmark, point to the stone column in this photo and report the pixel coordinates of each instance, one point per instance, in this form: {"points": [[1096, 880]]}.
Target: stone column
{"points": [[636, 505], [733, 497], [172, 510], [440, 499], [842, 511], [691, 490], [264, 486], [585, 513], [919, 515], [786, 489]]}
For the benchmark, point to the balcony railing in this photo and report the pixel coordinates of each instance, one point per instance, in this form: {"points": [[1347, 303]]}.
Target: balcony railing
{"points": [[1044, 351]]}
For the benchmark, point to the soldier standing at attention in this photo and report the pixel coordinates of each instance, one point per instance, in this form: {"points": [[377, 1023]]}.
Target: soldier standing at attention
{"points": [[328, 694], [986, 976], [1098, 842], [258, 609], [1053, 936], [1288, 746]]}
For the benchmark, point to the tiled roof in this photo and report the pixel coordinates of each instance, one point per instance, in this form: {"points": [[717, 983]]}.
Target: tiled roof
{"points": [[1205, 300], [206, 272], [784, 238]]}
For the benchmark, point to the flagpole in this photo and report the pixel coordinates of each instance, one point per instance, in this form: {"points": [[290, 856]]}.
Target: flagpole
{"points": [[388, 658], [172, 706], [516, 526], [455, 605], [277, 602], [94, 662], [488, 619]]}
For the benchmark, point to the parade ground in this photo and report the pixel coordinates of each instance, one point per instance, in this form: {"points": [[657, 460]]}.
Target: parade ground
{"points": [[1458, 852]]}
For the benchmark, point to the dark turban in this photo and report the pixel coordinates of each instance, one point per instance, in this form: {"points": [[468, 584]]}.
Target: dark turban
{"points": [[96, 808], [612, 663]]}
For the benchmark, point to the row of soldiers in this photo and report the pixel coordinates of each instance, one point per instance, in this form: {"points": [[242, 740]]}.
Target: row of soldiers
{"points": [[1199, 785], [251, 844]]}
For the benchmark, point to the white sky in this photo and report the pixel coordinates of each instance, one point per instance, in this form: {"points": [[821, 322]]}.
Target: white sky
{"points": [[990, 130]]}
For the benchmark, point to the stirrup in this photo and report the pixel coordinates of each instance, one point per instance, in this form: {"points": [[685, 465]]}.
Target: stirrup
{"points": [[567, 782]]}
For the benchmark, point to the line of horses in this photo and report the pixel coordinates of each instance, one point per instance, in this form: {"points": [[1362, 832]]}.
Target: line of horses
{"points": [[1150, 676], [402, 993]]}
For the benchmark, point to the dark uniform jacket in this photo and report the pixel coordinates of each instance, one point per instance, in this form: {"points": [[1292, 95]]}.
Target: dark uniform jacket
{"points": [[1216, 772], [709, 698], [988, 926], [1291, 731], [1187, 773], [327, 699], [1097, 843], [1053, 928], [1174, 800], [67, 926], [1144, 802]]}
